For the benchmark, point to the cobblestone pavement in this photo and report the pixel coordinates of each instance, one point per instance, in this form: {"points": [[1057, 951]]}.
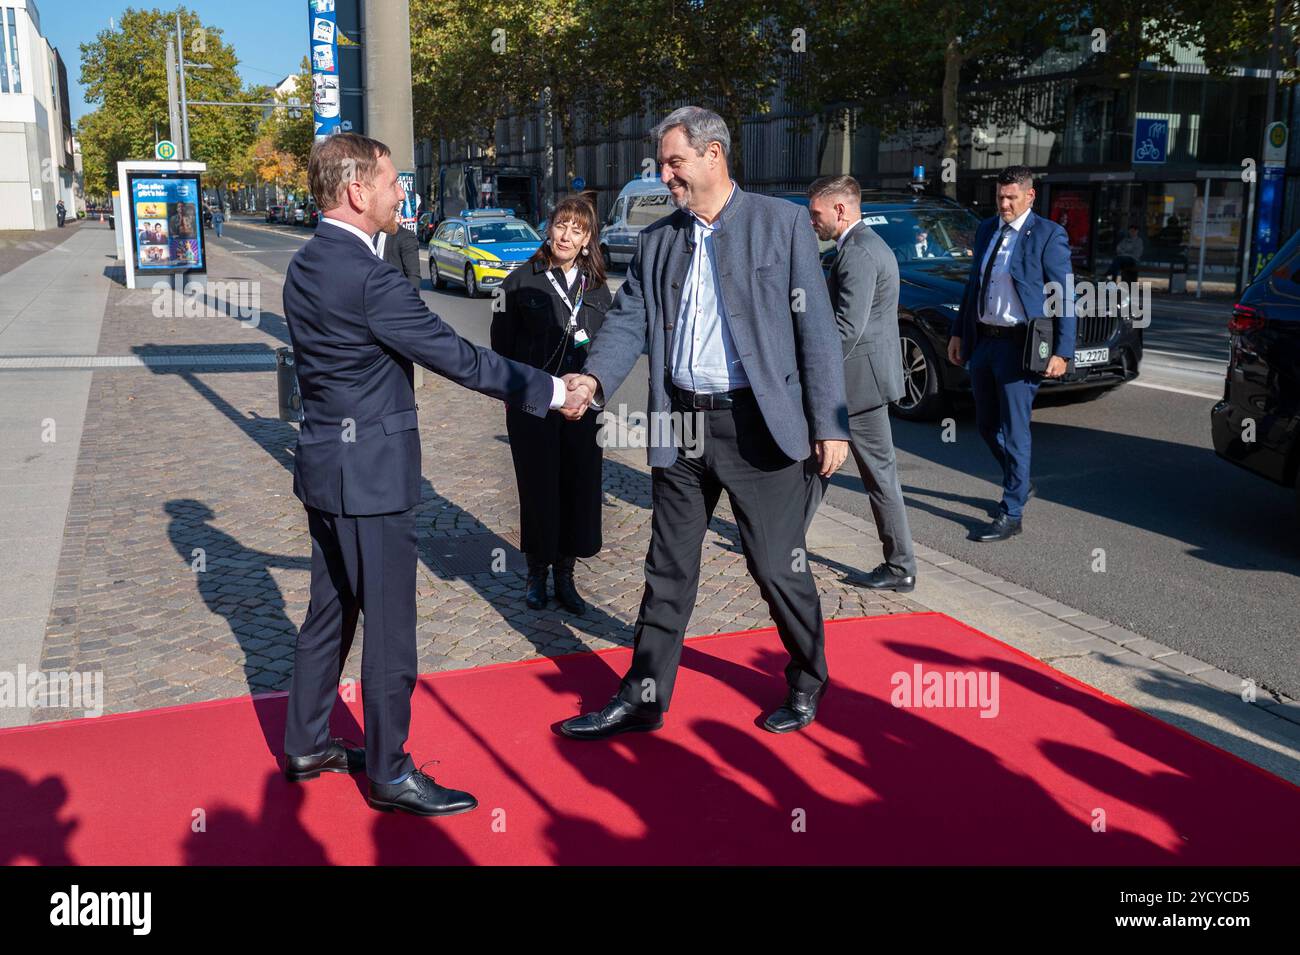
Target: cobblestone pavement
{"points": [[185, 560]]}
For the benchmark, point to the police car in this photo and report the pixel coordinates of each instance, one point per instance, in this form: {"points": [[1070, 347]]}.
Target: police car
{"points": [[479, 248]]}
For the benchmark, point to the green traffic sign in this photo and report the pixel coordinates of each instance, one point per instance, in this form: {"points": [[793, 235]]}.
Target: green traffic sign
{"points": [[166, 149]]}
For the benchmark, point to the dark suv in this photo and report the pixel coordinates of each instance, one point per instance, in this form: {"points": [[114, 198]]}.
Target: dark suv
{"points": [[931, 282], [1256, 423]]}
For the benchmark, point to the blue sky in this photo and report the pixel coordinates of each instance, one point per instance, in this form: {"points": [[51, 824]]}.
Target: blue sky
{"points": [[269, 36]]}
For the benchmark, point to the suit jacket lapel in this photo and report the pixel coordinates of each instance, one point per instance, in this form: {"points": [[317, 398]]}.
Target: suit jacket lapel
{"points": [[1022, 240], [676, 267]]}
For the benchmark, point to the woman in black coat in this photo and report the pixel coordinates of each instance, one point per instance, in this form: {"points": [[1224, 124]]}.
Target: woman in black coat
{"points": [[554, 305]]}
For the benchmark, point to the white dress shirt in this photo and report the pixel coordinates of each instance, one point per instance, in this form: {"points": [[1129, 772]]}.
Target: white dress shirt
{"points": [[1003, 301], [558, 388], [349, 227], [839, 243], [703, 354]]}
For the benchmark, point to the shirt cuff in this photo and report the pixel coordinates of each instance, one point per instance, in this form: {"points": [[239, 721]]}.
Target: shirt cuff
{"points": [[558, 390]]}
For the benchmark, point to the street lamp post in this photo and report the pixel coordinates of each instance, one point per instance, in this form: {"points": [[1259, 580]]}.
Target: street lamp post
{"points": [[185, 112]]}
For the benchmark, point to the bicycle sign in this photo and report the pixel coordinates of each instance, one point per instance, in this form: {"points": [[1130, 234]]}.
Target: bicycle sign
{"points": [[1150, 141]]}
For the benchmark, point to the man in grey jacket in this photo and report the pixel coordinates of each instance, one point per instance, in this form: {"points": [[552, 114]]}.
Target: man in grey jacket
{"points": [[863, 285], [727, 296]]}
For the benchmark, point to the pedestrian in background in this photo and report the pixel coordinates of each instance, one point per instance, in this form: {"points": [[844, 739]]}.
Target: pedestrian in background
{"points": [[863, 285], [554, 306], [61, 211], [1128, 252], [1017, 253], [218, 220], [400, 248]]}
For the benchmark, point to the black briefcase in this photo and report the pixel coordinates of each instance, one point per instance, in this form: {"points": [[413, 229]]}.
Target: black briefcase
{"points": [[1039, 340]]}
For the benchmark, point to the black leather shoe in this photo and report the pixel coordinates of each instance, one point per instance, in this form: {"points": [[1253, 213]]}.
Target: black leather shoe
{"points": [[885, 577], [337, 758], [617, 717], [419, 795], [536, 593], [798, 710], [565, 592], [1001, 528]]}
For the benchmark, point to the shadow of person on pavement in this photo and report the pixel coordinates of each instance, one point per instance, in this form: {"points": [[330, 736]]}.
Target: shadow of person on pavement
{"points": [[729, 795], [274, 835], [236, 583], [1187, 799], [31, 831]]}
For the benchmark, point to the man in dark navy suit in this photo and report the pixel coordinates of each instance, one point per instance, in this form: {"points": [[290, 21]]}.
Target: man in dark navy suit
{"points": [[357, 326], [1017, 255]]}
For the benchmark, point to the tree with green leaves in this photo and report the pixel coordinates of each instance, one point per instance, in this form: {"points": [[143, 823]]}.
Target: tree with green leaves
{"points": [[124, 71]]}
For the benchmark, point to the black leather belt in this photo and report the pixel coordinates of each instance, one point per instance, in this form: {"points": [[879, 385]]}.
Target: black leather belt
{"points": [[711, 400], [1000, 331]]}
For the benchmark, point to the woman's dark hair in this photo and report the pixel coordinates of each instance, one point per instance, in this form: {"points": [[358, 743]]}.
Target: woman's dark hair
{"points": [[576, 209]]}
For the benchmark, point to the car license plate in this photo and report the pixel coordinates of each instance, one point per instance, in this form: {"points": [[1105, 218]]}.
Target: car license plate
{"points": [[1091, 356]]}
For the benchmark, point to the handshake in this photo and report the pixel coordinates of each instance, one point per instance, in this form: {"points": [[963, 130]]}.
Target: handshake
{"points": [[582, 388]]}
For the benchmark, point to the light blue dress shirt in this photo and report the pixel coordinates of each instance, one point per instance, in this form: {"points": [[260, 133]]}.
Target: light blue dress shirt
{"points": [[1003, 303], [703, 353]]}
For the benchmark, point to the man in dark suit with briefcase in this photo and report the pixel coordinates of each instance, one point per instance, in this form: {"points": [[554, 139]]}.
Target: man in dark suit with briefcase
{"points": [[863, 286], [357, 326], [1018, 256]]}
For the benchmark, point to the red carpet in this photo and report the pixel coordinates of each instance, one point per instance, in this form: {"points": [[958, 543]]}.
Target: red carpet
{"points": [[868, 783]]}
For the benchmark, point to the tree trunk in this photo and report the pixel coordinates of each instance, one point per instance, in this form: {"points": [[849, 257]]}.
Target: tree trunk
{"points": [[952, 62], [566, 141]]}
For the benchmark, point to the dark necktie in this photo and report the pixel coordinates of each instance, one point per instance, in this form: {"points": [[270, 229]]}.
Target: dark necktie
{"points": [[988, 269]]}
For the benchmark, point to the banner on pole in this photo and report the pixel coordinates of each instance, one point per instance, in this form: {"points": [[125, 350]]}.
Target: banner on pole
{"points": [[324, 66]]}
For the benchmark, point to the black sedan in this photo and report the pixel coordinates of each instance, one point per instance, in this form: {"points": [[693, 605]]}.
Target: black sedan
{"points": [[932, 276], [1257, 422]]}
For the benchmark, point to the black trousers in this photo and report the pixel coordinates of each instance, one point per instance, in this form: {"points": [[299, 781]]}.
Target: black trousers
{"points": [[358, 565], [558, 470], [767, 491]]}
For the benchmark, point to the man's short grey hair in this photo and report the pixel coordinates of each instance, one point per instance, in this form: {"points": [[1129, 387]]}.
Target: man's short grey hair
{"points": [[702, 126]]}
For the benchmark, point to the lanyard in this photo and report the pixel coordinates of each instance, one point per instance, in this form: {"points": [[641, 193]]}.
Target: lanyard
{"points": [[574, 306]]}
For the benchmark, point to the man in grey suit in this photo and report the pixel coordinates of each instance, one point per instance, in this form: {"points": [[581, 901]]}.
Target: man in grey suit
{"points": [[863, 285], [727, 296]]}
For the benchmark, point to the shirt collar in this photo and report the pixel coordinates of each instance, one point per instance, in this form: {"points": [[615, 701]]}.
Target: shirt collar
{"points": [[717, 220], [1018, 223], [349, 227], [839, 243]]}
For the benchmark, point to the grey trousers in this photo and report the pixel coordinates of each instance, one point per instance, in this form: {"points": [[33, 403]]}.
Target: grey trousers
{"points": [[872, 444]]}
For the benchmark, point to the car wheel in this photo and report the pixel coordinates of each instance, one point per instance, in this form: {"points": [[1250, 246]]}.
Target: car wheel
{"points": [[923, 398], [435, 276], [471, 284]]}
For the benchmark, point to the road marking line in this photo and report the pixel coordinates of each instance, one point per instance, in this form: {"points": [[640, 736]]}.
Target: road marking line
{"points": [[1179, 354], [1177, 391], [135, 361]]}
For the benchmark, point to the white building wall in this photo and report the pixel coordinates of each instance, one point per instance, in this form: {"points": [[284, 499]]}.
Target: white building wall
{"points": [[30, 147]]}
